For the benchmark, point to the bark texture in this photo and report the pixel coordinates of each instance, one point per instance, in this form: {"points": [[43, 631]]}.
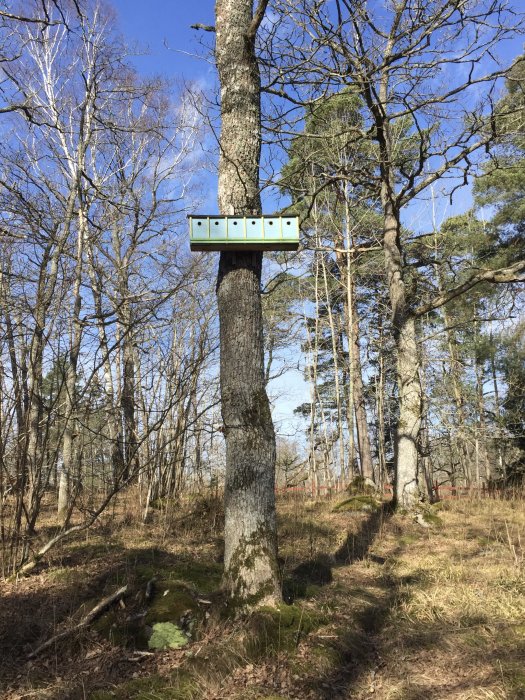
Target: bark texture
{"points": [[250, 559], [407, 492]]}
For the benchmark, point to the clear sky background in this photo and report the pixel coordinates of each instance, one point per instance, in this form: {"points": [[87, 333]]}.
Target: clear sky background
{"points": [[163, 28]]}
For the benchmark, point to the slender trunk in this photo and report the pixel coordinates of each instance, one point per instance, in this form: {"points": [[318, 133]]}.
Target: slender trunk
{"points": [[363, 436], [250, 556], [127, 402], [335, 355], [455, 369], [497, 414], [426, 463], [350, 309], [70, 428], [112, 423], [380, 409], [356, 392], [481, 437]]}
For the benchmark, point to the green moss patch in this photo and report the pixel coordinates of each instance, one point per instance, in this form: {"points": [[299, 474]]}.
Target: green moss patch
{"points": [[166, 635], [409, 539], [431, 518], [123, 630], [203, 577], [171, 602], [361, 486]]}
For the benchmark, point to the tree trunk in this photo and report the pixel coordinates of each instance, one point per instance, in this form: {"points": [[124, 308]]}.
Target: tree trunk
{"points": [[250, 557], [497, 414], [481, 437], [407, 491], [460, 418], [337, 391], [70, 429], [357, 403]]}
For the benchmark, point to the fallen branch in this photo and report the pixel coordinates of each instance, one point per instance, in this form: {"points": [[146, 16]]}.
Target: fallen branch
{"points": [[84, 622], [25, 569]]}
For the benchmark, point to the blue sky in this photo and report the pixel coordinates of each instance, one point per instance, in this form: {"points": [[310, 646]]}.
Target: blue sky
{"points": [[163, 27]]}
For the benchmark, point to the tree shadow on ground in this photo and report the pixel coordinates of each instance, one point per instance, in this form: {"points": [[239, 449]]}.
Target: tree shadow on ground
{"points": [[357, 544], [355, 650], [363, 648], [305, 579]]}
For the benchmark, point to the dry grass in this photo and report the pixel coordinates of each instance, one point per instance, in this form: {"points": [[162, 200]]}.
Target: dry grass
{"points": [[395, 611]]}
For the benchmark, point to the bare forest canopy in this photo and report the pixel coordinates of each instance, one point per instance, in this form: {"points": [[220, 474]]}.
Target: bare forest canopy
{"points": [[402, 326]]}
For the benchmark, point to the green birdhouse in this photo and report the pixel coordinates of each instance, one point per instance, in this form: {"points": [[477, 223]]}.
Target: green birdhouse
{"points": [[214, 233]]}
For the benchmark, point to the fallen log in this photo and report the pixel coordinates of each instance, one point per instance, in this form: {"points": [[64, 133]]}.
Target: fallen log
{"points": [[84, 622]]}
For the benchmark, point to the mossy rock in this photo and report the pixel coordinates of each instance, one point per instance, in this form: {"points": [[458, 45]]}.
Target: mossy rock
{"points": [[430, 517], [121, 631], [203, 577], [358, 504], [172, 602], [361, 486]]}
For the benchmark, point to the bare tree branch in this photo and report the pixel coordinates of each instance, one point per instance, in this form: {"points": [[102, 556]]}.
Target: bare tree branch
{"points": [[203, 27], [503, 275], [257, 19]]}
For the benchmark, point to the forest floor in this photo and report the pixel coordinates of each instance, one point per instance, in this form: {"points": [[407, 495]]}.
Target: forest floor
{"points": [[382, 608]]}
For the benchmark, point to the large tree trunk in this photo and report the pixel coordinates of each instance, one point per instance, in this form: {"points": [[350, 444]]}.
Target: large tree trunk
{"points": [[250, 558], [407, 491], [406, 487]]}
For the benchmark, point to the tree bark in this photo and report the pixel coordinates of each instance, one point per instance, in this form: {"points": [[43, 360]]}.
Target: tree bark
{"points": [[407, 491], [363, 436], [250, 558], [357, 403], [406, 487]]}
